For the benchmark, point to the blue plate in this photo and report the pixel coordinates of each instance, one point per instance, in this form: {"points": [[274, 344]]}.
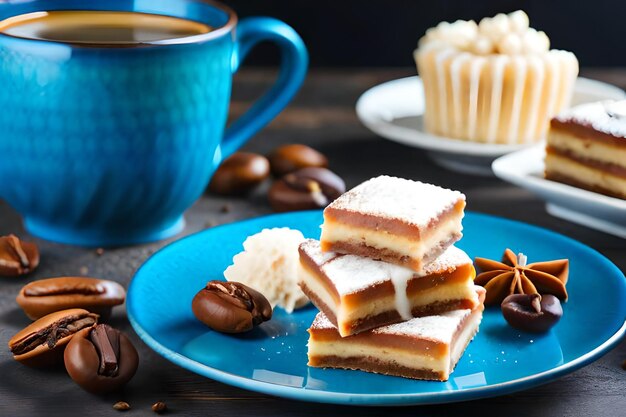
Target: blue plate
{"points": [[272, 358]]}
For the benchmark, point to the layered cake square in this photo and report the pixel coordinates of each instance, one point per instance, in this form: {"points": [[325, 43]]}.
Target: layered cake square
{"points": [[357, 293], [421, 348], [408, 223], [586, 148]]}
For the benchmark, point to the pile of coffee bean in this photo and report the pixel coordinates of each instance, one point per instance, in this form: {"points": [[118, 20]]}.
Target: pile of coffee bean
{"points": [[303, 180], [66, 329]]}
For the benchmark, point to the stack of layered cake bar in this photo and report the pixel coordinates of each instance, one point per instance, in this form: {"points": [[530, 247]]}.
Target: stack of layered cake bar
{"points": [[395, 296]]}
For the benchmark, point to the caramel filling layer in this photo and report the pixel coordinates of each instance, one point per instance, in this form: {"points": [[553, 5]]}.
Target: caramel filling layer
{"points": [[407, 250], [392, 341], [553, 176], [587, 132], [310, 271], [609, 168], [558, 167], [460, 274], [586, 148], [389, 225], [454, 291]]}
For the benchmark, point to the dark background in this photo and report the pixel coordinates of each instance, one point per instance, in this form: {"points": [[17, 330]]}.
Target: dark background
{"points": [[385, 32]]}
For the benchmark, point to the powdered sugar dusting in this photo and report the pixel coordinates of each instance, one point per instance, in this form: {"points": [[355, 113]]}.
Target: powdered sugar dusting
{"points": [[439, 328], [352, 273], [604, 116], [322, 322], [312, 248], [413, 202], [448, 261]]}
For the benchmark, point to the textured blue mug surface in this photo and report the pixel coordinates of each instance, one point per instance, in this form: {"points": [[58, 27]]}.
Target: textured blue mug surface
{"points": [[105, 146]]}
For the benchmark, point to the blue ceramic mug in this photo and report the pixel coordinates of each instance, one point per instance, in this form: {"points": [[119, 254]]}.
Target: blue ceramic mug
{"points": [[103, 146]]}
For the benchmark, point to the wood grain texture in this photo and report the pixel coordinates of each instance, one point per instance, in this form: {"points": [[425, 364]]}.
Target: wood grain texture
{"points": [[322, 116]]}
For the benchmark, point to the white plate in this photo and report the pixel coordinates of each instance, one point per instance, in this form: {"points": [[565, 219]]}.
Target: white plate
{"points": [[525, 169], [394, 111]]}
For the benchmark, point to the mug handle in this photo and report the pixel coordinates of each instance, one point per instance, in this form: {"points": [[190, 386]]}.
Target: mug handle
{"points": [[293, 67]]}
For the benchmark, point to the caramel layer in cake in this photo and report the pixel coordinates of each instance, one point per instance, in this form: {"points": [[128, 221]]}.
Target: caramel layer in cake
{"points": [[587, 148], [358, 293], [421, 348], [400, 221]]}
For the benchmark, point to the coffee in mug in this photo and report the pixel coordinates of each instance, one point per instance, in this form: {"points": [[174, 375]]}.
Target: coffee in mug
{"points": [[112, 122], [100, 27]]}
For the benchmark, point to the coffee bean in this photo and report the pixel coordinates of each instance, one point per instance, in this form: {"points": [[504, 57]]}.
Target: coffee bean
{"points": [[101, 359], [17, 257], [230, 307], [532, 312], [290, 158], [53, 294], [159, 407], [305, 189], [121, 406], [42, 342], [240, 173]]}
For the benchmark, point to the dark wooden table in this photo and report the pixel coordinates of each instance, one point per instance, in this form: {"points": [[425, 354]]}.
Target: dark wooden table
{"points": [[323, 116]]}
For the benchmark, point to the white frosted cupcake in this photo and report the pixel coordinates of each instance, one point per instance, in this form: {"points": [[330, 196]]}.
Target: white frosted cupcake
{"points": [[494, 82]]}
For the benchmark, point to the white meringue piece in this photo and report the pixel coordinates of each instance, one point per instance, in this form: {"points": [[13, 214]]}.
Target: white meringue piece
{"points": [[270, 264]]}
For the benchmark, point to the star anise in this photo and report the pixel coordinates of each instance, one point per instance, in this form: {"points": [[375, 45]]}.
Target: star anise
{"points": [[513, 276]]}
